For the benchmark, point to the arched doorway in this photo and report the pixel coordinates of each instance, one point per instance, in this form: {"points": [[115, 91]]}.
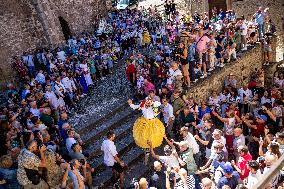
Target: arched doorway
{"points": [[219, 4], [65, 27]]}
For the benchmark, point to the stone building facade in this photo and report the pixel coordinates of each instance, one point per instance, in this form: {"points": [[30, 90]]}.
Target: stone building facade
{"points": [[29, 24]]}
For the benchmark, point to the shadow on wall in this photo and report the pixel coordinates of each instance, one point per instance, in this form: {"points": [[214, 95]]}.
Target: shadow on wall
{"points": [[65, 28]]}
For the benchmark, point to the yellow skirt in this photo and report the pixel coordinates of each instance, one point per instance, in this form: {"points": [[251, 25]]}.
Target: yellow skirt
{"points": [[152, 130]]}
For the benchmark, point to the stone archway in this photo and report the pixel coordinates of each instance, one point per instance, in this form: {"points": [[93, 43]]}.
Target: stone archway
{"points": [[65, 27]]}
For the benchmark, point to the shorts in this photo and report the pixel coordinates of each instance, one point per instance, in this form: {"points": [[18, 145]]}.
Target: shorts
{"points": [[185, 69], [202, 56], [117, 167]]}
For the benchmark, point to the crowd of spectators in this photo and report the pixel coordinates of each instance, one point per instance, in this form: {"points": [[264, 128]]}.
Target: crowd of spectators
{"points": [[229, 141], [39, 147]]}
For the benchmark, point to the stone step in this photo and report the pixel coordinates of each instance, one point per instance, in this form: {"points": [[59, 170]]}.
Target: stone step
{"points": [[144, 171], [123, 128], [115, 120], [85, 129], [103, 179]]}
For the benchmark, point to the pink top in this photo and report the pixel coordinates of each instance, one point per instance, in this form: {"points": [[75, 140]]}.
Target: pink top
{"points": [[148, 87], [201, 45]]}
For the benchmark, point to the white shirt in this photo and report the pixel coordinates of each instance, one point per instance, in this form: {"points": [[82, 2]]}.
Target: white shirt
{"points": [[109, 150], [253, 179], [244, 29], [239, 141], [69, 143], [192, 143], [61, 55], [173, 74], [242, 92], [170, 161], [148, 113], [67, 84], [40, 78], [59, 89], [168, 113], [52, 98], [35, 112], [264, 100], [28, 60], [222, 140]]}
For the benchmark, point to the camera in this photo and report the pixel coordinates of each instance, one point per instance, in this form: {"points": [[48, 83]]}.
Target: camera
{"points": [[82, 161]]}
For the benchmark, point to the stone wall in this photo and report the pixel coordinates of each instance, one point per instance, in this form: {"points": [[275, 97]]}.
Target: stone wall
{"points": [[276, 9], [29, 24], [20, 30], [241, 68], [187, 6], [270, 71]]}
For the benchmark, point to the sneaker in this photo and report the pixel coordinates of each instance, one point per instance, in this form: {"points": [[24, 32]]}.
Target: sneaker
{"points": [[195, 81], [221, 65], [210, 70], [202, 76], [244, 49]]}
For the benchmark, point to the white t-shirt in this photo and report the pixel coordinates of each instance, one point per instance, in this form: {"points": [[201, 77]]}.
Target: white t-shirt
{"points": [[244, 29], [168, 113], [247, 93], [109, 150], [61, 55], [253, 179], [172, 75], [35, 112], [192, 143], [170, 161], [53, 100]]}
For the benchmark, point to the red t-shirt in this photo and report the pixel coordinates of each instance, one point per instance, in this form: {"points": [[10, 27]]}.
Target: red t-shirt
{"points": [[130, 69], [242, 164]]}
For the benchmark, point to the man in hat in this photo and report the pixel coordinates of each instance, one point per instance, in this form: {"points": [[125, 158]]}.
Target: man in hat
{"points": [[229, 177]]}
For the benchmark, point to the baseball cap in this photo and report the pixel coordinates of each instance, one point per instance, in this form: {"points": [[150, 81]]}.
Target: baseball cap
{"points": [[227, 167], [263, 117]]}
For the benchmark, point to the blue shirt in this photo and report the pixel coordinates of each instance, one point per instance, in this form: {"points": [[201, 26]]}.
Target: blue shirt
{"points": [[191, 52], [232, 182], [259, 18], [202, 113]]}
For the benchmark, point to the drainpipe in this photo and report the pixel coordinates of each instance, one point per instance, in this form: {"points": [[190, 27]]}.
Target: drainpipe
{"points": [[43, 19]]}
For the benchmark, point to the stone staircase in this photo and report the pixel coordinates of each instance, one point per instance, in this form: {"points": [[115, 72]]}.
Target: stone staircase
{"points": [[105, 109]]}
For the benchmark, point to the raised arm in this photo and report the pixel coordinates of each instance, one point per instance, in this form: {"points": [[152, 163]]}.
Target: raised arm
{"points": [[133, 106], [247, 123], [152, 151], [219, 117]]}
